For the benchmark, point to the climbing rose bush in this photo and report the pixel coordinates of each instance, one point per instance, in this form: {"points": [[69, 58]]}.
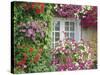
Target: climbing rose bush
{"points": [[67, 10], [89, 18], [87, 14], [72, 55]]}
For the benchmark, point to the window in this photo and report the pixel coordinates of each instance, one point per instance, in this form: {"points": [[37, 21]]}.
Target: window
{"points": [[69, 29], [70, 26], [55, 33]]}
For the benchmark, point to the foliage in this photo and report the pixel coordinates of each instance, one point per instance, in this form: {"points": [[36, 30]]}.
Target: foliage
{"points": [[32, 26]]}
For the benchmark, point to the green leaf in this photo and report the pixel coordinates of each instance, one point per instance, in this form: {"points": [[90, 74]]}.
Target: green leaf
{"points": [[82, 47]]}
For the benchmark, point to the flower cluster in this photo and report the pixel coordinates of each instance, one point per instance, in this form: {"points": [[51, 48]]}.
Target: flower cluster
{"points": [[34, 29], [40, 7], [67, 10], [87, 14], [23, 62], [90, 18], [37, 56], [37, 7], [70, 55]]}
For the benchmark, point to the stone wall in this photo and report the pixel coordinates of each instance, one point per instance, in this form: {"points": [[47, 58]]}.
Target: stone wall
{"points": [[90, 34]]}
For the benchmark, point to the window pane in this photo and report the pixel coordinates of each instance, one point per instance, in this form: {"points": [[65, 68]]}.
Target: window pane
{"points": [[71, 26], [57, 34], [57, 26], [66, 26], [72, 35], [71, 23], [67, 35], [57, 39], [66, 23]]}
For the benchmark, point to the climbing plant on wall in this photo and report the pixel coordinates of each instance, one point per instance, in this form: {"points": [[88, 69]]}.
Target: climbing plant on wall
{"points": [[89, 19], [87, 14], [32, 27]]}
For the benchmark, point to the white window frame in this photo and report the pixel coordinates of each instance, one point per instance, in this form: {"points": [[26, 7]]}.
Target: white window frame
{"points": [[77, 28]]}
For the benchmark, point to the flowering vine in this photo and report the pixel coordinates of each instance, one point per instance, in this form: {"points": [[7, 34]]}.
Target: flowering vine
{"points": [[87, 14], [33, 29], [90, 18], [67, 10]]}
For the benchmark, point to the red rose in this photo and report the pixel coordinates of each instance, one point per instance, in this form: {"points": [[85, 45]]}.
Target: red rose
{"points": [[38, 11]]}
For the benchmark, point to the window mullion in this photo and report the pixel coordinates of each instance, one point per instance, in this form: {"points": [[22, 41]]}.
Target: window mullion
{"points": [[61, 29], [54, 34]]}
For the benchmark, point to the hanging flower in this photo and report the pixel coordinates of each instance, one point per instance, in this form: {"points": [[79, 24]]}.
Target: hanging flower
{"points": [[90, 18]]}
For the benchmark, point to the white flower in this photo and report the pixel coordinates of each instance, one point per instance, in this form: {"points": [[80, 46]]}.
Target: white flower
{"points": [[24, 66], [83, 16], [61, 52], [63, 45], [55, 6], [56, 52], [76, 64], [55, 9], [80, 44], [73, 47], [89, 55], [61, 5]]}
